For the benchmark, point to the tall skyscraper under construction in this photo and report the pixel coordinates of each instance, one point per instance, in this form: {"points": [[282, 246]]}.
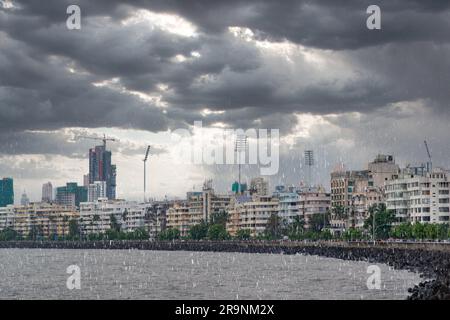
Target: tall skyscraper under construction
{"points": [[101, 169]]}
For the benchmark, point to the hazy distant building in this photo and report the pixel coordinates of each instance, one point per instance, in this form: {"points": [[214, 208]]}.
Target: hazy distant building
{"points": [[86, 180], [24, 200], [236, 189], [71, 195], [47, 192], [259, 186], [6, 192], [101, 169]]}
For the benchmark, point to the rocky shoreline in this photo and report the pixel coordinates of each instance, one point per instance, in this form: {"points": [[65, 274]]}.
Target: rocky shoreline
{"points": [[432, 262]]}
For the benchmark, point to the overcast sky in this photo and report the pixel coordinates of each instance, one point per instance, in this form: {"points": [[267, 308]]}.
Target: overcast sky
{"points": [[137, 72]]}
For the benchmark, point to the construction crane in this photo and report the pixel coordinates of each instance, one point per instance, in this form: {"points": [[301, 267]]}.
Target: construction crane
{"points": [[104, 139], [429, 156], [145, 171]]}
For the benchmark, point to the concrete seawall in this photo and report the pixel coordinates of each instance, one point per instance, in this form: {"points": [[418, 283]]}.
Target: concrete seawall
{"points": [[430, 260]]}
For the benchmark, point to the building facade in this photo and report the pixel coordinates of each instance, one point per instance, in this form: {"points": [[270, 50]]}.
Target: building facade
{"points": [[47, 192], [71, 195], [314, 200], [101, 169], [44, 219], [420, 196], [6, 192], [96, 190]]}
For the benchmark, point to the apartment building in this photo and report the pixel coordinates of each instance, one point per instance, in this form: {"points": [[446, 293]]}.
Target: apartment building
{"points": [[47, 220], [95, 217], [252, 214], [314, 200], [420, 196], [289, 206], [179, 217]]}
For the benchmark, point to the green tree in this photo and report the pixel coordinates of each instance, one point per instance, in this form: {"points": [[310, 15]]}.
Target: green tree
{"points": [[319, 221], [243, 234], [339, 212], [169, 234], [296, 228], [273, 228], [198, 231], [383, 221], [220, 217], [418, 230], [114, 225], [218, 232], [352, 234], [403, 231], [35, 232], [74, 229], [9, 234]]}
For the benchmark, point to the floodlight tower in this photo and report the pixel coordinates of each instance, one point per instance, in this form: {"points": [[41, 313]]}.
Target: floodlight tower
{"points": [[240, 147], [145, 171], [309, 163]]}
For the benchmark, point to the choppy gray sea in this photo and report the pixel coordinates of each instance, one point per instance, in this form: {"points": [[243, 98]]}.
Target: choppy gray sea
{"points": [[133, 274]]}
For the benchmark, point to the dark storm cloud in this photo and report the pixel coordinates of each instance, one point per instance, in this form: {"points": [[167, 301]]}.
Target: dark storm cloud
{"points": [[407, 60]]}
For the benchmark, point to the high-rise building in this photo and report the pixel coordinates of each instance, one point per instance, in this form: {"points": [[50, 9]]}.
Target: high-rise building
{"points": [[47, 192], [101, 169], [6, 192], [71, 195]]}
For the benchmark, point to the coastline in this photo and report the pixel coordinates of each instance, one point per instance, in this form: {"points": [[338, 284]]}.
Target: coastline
{"points": [[430, 260]]}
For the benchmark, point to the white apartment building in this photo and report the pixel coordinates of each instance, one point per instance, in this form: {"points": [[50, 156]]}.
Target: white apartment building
{"points": [[95, 217], [48, 219], [289, 206], [253, 215], [6, 217], [420, 197]]}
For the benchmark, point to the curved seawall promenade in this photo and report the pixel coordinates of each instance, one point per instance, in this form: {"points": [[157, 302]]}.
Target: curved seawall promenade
{"points": [[430, 260]]}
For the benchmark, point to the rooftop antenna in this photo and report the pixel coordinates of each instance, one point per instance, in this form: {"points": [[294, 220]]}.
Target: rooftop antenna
{"points": [[240, 147], [145, 171]]}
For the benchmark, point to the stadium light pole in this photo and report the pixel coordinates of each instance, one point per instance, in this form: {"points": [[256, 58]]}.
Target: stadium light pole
{"points": [[145, 171], [240, 146]]}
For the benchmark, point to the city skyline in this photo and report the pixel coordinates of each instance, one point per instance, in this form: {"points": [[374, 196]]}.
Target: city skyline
{"points": [[137, 72]]}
